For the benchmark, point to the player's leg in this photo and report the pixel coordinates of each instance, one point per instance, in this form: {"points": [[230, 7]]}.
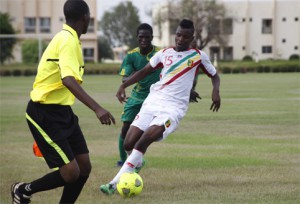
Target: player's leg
{"points": [[131, 109], [56, 153], [133, 138], [80, 150], [122, 152], [72, 190], [133, 134]]}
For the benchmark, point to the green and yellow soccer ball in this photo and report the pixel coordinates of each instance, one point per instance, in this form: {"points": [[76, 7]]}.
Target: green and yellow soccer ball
{"points": [[130, 184]]}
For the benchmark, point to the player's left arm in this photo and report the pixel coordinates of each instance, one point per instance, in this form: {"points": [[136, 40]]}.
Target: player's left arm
{"points": [[211, 71], [216, 99]]}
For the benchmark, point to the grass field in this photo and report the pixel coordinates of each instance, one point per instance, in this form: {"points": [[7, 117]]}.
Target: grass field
{"points": [[248, 152]]}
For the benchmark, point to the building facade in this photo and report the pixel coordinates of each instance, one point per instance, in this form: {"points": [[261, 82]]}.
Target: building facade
{"points": [[42, 19], [262, 29]]}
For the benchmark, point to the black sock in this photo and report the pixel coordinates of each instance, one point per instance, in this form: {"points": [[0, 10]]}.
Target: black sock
{"points": [[47, 182], [72, 190]]}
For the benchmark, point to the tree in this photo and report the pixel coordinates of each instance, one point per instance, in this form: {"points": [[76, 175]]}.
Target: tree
{"points": [[208, 17], [104, 49], [120, 25], [30, 51], [6, 44]]}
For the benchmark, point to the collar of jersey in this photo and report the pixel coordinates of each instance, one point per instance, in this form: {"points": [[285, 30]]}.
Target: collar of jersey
{"points": [[71, 30]]}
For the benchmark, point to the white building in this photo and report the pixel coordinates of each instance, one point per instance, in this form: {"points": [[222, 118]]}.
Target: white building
{"points": [[263, 29], [42, 19]]}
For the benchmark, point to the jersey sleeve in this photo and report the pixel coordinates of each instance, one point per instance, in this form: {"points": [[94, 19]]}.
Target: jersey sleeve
{"points": [[156, 60], [68, 62], [206, 65], [126, 68]]}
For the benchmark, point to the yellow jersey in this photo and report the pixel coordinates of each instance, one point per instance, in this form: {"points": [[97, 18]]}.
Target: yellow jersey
{"points": [[62, 58]]}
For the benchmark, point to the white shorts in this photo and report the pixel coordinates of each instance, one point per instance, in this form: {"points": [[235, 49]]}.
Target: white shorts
{"points": [[147, 117]]}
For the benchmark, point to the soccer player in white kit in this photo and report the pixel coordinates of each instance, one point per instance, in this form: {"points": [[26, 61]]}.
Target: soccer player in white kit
{"points": [[168, 100]]}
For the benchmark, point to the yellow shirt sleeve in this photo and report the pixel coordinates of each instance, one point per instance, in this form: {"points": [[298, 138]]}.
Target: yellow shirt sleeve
{"points": [[69, 61]]}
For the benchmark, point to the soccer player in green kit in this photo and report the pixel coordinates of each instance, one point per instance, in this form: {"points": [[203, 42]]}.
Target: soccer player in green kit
{"points": [[135, 60]]}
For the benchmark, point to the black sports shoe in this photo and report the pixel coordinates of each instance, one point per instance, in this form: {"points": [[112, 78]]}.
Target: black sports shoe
{"points": [[17, 197]]}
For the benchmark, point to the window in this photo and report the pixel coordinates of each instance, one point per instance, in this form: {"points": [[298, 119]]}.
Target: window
{"points": [[227, 26], [228, 53], [214, 27], [296, 48], [91, 27], [250, 19], [283, 19], [45, 25], [29, 25], [266, 49], [296, 19], [214, 53], [244, 47], [88, 54], [267, 26], [283, 40]]}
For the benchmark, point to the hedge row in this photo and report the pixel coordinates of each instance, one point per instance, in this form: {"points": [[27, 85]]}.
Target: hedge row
{"points": [[260, 69], [225, 68]]}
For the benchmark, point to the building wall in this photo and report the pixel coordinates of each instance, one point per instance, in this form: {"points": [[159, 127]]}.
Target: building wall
{"points": [[247, 37], [53, 9]]}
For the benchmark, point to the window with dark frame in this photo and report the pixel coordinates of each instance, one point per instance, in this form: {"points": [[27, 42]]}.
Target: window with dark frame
{"points": [[29, 25], [266, 26], [266, 49], [88, 54], [45, 25], [227, 26]]}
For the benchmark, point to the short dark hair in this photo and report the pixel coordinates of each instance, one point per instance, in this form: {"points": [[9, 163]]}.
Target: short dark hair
{"points": [[187, 24], [75, 9], [144, 26]]}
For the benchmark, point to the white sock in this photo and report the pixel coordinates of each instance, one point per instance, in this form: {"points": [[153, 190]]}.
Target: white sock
{"points": [[135, 159]]}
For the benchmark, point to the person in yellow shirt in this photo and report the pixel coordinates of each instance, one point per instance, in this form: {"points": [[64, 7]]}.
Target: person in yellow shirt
{"points": [[49, 115]]}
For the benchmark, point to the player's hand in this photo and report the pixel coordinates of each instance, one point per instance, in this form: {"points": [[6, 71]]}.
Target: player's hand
{"points": [[194, 96], [105, 117], [216, 101], [121, 95]]}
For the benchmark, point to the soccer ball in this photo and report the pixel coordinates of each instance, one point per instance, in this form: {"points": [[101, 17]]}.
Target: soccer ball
{"points": [[130, 184]]}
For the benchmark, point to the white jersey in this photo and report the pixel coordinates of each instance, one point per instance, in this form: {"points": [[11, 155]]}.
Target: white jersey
{"points": [[172, 91]]}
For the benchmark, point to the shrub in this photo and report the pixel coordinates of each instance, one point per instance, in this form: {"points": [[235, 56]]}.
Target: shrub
{"points": [[17, 72], [5, 73], [29, 72], [30, 51], [247, 58], [226, 70], [294, 57], [236, 70]]}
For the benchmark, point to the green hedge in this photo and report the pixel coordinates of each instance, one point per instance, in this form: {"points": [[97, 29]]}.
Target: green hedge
{"points": [[234, 67], [265, 66]]}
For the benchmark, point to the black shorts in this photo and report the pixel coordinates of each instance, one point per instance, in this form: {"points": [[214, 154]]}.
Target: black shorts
{"points": [[56, 131]]}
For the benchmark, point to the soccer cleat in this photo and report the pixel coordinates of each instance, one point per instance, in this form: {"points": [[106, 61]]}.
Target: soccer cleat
{"points": [[138, 168], [107, 189], [17, 197]]}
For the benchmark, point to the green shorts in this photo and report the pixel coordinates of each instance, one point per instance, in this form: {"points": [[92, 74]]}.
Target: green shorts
{"points": [[131, 109]]}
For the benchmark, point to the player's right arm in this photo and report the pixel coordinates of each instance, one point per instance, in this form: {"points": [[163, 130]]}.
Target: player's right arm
{"points": [[137, 76]]}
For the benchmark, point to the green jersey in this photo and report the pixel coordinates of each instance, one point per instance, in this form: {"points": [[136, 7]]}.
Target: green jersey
{"points": [[134, 61]]}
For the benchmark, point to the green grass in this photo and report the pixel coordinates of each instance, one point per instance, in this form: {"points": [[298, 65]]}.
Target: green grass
{"points": [[248, 152]]}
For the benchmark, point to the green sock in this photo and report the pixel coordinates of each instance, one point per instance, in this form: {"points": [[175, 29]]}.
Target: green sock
{"points": [[123, 154]]}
